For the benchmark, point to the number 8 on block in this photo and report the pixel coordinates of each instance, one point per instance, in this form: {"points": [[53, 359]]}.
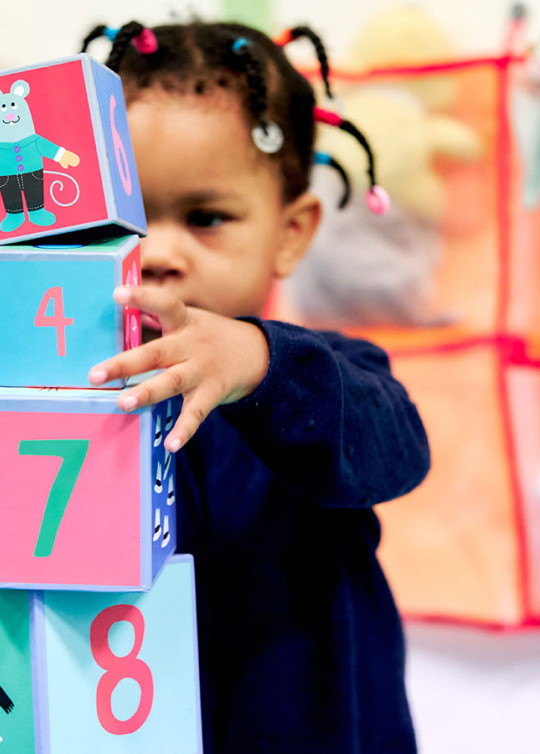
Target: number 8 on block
{"points": [[107, 673]]}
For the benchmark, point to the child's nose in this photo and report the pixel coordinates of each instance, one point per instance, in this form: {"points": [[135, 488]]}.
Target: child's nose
{"points": [[163, 252]]}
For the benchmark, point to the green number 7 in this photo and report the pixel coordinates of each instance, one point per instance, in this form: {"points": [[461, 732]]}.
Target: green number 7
{"points": [[73, 453]]}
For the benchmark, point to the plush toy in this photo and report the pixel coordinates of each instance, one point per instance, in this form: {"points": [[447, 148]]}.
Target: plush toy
{"points": [[407, 139], [371, 270], [404, 36], [364, 268]]}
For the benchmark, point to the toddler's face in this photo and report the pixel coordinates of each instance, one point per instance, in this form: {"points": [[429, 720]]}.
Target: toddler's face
{"points": [[216, 221]]}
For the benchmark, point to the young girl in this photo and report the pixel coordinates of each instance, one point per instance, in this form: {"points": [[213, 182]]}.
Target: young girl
{"points": [[295, 435]]}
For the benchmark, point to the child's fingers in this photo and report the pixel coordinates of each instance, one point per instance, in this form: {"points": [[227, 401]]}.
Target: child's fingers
{"points": [[169, 309], [173, 381], [195, 408], [158, 354]]}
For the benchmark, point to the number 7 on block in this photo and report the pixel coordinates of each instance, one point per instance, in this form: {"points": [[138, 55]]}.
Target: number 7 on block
{"points": [[73, 453]]}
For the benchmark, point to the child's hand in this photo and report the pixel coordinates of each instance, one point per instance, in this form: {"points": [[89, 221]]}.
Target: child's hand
{"points": [[208, 358]]}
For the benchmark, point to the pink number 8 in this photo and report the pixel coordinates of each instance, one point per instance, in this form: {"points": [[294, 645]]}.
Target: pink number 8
{"points": [[117, 668]]}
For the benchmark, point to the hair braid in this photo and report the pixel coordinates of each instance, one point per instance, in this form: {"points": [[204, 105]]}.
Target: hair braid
{"points": [[96, 33], [304, 31], [351, 129], [121, 43], [256, 82]]}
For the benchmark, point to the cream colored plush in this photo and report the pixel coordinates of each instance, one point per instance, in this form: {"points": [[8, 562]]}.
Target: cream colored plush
{"points": [[405, 35], [380, 269], [406, 139]]}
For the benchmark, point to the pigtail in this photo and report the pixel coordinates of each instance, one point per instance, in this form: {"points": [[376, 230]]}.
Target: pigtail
{"points": [[143, 39], [321, 158], [96, 33], [376, 198], [257, 91], [298, 32], [268, 137]]}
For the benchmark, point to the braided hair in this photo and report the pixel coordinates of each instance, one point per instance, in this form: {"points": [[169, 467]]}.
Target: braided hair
{"points": [[199, 57]]}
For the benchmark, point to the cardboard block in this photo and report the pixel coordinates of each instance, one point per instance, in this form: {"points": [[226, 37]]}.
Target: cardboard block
{"points": [[62, 317], [114, 673], [66, 159], [87, 492]]}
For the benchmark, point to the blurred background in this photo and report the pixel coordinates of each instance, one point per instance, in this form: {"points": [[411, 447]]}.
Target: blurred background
{"points": [[33, 31], [448, 93]]}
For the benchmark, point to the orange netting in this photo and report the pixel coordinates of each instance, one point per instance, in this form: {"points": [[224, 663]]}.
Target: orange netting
{"points": [[465, 546]]}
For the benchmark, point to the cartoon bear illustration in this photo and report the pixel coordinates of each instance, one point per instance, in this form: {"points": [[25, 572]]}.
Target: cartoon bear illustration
{"points": [[21, 160]]}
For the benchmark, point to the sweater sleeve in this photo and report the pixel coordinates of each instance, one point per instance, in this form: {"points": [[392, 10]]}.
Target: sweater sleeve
{"points": [[47, 148], [331, 421]]}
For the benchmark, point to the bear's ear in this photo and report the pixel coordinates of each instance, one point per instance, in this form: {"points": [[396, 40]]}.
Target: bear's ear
{"points": [[21, 88]]}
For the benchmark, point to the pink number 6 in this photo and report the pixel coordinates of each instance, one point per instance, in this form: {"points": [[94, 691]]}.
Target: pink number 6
{"points": [[120, 152], [117, 668]]}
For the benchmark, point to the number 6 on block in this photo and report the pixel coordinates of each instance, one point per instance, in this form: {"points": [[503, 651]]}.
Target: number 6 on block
{"points": [[73, 453]]}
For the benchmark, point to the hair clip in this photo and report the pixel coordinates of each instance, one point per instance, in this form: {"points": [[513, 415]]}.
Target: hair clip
{"points": [[145, 42], [321, 158], [110, 33], [268, 137], [376, 198], [240, 43], [284, 38]]}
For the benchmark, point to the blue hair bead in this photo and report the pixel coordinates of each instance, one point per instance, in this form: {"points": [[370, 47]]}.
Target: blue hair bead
{"points": [[240, 43], [321, 158], [110, 33]]}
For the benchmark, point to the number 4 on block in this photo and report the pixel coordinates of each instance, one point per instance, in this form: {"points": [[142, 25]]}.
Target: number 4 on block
{"points": [[63, 319]]}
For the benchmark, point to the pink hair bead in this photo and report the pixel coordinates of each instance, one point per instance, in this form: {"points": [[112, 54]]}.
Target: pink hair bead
{"points": [[146, 42], [377, 200]]}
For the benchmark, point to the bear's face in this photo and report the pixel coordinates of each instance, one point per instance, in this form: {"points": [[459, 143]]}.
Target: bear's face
{"points": [[15, 118]]}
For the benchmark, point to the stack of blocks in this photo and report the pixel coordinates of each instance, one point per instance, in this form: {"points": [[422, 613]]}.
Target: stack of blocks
{"points": [[98, 643]]}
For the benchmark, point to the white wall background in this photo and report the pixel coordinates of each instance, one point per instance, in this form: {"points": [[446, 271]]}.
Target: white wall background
{"points": [[34, 30], [472, 692]]}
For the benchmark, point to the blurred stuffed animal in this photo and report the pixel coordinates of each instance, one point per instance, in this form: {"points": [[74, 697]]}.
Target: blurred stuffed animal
{"points": [[371, 270], [405, 35], [406, 139], [365, 269]]}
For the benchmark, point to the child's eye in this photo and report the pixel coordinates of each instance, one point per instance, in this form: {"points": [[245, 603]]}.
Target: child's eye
{"points": [[207, 218]]}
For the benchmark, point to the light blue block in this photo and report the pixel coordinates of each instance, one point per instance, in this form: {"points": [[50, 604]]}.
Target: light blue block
{"points": [[111, 673], [41, 348]]}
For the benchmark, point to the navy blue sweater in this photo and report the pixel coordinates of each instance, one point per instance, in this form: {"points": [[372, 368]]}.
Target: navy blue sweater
{"points": [[301, 649]]}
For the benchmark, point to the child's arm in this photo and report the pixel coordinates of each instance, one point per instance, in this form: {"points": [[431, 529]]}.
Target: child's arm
{"points": [[209, 359], [331, 421], [321, 410]]}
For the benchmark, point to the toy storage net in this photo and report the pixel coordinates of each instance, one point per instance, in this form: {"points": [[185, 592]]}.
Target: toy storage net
{"points": [[465, 546]]}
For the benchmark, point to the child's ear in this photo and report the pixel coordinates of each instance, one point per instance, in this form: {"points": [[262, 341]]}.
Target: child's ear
{"points": [[301, 220]]}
